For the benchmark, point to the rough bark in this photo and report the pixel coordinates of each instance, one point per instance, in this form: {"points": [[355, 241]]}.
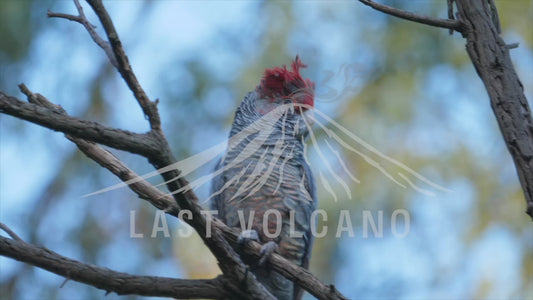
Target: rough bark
{"points": [[490, 56]]}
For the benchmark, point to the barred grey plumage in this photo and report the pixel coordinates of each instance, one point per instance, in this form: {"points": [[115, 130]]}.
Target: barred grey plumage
{"points": [[266, 170]]}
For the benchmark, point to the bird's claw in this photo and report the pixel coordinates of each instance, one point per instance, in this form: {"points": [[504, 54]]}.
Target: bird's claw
{"points": [[247, 235], [266, 252]]}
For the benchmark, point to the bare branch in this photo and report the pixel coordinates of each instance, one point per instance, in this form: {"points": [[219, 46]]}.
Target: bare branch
{"points": [[80, 18], [123, 66], [109, 280], [57, 120], [443, 23], [143, 189], [165, 202], [10, 232], [450, 12]]}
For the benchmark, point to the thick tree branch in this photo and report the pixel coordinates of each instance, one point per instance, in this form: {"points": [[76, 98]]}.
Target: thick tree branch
{"points": [[142, 144], [444, 23], [109, 280], [490, 56]]}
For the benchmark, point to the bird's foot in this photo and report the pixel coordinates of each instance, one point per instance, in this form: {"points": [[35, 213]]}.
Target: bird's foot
{"points": [[266, 252], [247, 235], [266, 249]]}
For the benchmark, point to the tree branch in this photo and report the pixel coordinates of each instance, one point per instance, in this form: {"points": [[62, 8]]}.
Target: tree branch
{"points": [[444, 23], [123, 66], [10, 232], [109, 280], [55, 119], [490, 56], [80, 18], [230, 263]]}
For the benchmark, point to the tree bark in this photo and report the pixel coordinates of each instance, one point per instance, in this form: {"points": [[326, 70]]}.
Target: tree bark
{"points": [[490, 56]]}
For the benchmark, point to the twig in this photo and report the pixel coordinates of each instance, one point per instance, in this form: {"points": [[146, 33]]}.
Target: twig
{"points": [[450, 12], [512, 45], [443, 23], [10, 232], [64, 282], [80, 18]]}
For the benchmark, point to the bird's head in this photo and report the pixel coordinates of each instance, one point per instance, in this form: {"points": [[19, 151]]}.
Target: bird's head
{"points": [[280, 85]]}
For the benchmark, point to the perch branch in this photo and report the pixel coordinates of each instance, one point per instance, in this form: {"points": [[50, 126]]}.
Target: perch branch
{"points": [[166, 203]]}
